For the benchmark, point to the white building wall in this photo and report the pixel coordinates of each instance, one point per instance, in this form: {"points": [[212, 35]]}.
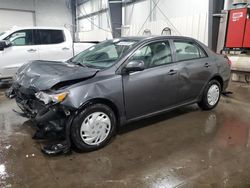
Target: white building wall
{"points": [[94, 28], [187, 18], [136, 14], [55, 13], [180, 8]]}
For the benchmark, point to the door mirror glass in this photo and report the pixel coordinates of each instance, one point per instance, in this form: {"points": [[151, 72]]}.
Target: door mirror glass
{"points": [[133, 66], [4, 44]]}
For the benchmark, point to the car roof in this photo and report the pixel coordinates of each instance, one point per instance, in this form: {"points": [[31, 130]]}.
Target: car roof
{"points": [[37, 27], [146, 38]]}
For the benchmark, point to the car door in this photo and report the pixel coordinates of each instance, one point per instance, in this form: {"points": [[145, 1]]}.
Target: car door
{"points": [[155, 88], [53, 46], [194, 69], [21, 51]]}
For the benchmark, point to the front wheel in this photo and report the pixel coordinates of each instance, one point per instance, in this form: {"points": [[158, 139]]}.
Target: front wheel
{"points": [[211, 95], [93, 127]]}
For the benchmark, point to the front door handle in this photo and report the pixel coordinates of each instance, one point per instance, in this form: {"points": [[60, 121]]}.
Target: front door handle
{"points": [[172, 72], [31, 50], [206, 65], [65, 48]]}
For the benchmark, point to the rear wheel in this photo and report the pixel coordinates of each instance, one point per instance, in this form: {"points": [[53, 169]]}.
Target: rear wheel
{"points": [[211, 95], [93, 127]]}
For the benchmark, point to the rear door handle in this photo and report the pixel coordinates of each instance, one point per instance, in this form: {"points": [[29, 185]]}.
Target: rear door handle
{"points": [[31, 50], [206, 65], [172, 72]]}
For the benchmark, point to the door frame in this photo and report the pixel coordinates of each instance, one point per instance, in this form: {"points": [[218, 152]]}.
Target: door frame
{"points": [[119, 71]]}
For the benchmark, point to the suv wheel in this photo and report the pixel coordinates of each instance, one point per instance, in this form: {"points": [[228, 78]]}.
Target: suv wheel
{"points": [[93, 127], [211, 95]]}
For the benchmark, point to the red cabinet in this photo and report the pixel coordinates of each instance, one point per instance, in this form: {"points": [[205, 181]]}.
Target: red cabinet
{"points": [[236, 28], [246, 42]]}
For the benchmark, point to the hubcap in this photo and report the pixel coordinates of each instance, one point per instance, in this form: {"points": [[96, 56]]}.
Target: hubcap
{"points": [[213, 94], [95, 128]]}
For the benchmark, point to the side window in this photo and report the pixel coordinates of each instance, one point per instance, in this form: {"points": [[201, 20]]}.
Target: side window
{"points": [[154, 54], [21, 38], [143, 54], [50, 36], [188, 50]]}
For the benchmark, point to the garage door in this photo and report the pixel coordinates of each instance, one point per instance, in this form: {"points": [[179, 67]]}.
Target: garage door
{"points": [[10, 18]]}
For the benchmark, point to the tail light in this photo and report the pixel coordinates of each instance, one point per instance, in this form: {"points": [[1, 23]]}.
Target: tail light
{"points": [[229, 62]]}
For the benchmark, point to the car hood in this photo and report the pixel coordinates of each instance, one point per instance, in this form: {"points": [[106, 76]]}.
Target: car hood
{"points": [[43, 75]]}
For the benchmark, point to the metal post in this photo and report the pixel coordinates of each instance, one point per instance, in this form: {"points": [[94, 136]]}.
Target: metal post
{"points": [[116, 17]]}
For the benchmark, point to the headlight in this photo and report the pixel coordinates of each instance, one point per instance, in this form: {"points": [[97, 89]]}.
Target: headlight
{"points": [[47, 98]]}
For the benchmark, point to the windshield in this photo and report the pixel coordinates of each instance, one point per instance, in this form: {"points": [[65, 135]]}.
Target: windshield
{"points": [[103, 55]]}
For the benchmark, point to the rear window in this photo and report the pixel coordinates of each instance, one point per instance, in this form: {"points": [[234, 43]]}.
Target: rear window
{"points": [[50, 36], [186, 50]]}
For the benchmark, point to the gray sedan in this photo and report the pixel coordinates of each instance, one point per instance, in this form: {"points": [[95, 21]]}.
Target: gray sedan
{"points": [[115, 82]]}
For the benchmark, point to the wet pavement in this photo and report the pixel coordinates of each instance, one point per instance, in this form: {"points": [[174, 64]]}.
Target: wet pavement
{"points": [[183, 148]]}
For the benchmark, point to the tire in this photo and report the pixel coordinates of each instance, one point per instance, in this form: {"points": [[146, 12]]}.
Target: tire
{"points": [[85, 127], [208, 103]]}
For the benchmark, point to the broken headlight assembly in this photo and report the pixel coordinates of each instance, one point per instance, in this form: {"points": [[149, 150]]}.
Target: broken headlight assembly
{"points": [[47, 98]]}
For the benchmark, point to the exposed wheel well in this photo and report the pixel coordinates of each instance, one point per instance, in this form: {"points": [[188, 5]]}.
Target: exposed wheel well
{"points": [[106, 102], [219, 79]]}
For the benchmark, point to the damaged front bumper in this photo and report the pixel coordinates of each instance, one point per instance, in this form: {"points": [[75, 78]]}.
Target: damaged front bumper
{"points": [[48, 119]]}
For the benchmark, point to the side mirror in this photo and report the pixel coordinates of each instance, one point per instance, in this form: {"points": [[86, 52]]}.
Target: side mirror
{"points": [[134, 65], [4, 44]]}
